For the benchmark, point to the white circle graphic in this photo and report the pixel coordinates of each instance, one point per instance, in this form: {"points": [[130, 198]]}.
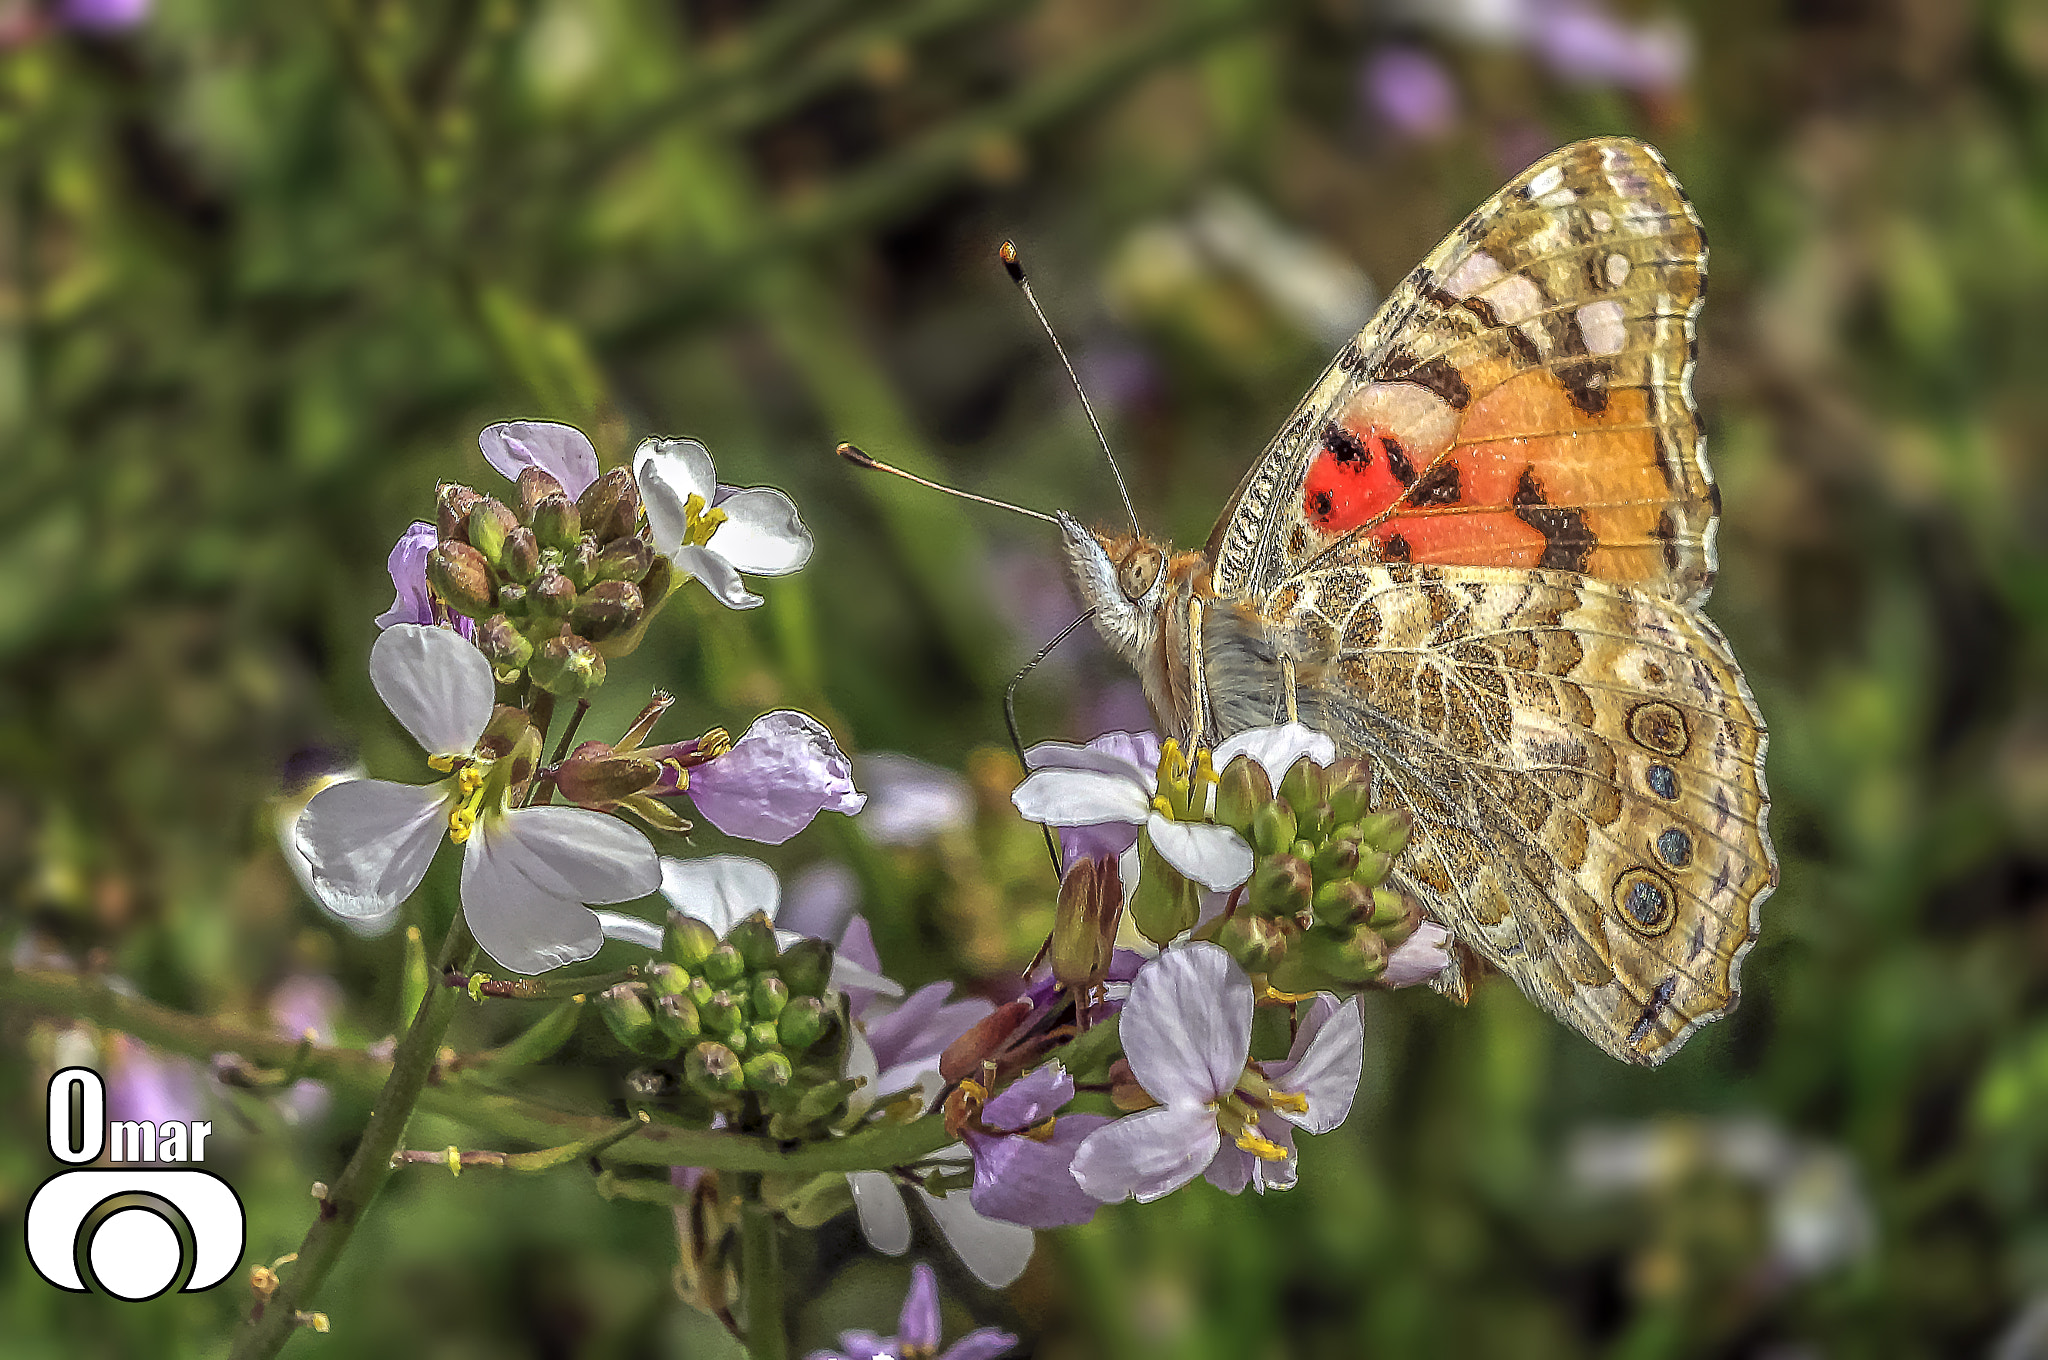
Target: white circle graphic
{"points": [[135, 1254]]}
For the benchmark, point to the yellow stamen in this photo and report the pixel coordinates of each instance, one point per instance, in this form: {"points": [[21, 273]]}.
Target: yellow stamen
{"points": [[1287, 998], [1041, 1132], [1161, 806], [1265, 1149], [699, 521], [1203, 780], [454, 1160], [469, 782], [1294, 1102], [714, 743], [442, 763], [975, 1089]]}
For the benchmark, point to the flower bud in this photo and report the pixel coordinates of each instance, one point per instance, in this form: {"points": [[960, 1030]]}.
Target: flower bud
{"points": [[490, 523], [737, 1041], [665, 979], [1165, 903], [679, 1018], [555, 523], [1343, 904], [768, 1072], [452, 501], [551, 594], [1242, 790], [534, 484], [505, 732], [806, 966], [1313, 824], [1084, 923], [1351, 959], [713, 1069], [1350, 783], [1337, 859], [1303, 786], [1257, 942], [623, 559], [654, 586], [462, 578], [1386, 832], [512, 600], [521, 558], [687, 941], [1372, 867], [762, 1036], [723, 1014], [567, 666], [803, 1022], [769, 998], [1388, 908], [700, 991], [755, 940], [1272, 827], [610, 506], [823, 1100], [1280, 886], [504, 644], [607, 609], [580, 563], [604, 777], [965, 1055], [627, 1016], [725, 964]]}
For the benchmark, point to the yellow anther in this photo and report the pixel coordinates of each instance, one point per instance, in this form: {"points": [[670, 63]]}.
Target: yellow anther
{"points": [[1161, 806], [1287, 998], [974, 1089], [1041, 1132], [441, 763], [1294, 1102], [714, 743], [469, 779], [699, 521], [1265, 1149], [454, 1160], [461, 823]]}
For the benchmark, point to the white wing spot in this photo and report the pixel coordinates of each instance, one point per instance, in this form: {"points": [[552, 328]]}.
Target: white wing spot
{"points": [[1601, 324], [1617, 270], [1546, 182], [1472, 274], [1514, 300], [1600, 220]]}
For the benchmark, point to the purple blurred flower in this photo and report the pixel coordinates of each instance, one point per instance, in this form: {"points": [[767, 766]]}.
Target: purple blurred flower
{"points": [[408, 567], [305, 1005], [1187, 1036], [775, 779], [561, 451], [102, 16], [1585, 44], [143, 1084], [911, 802], [1410, 91], [917, 1331], [821, 900], [1024, 1173]]}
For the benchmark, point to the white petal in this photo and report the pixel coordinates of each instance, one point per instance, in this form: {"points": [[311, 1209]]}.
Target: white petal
{"points": [[720, 890], [561, 451], [1277, 748], [522, 925], [1187, 1027], [1214, 856], [1328, 1071], [718, 577], [437, 685], [995, 1251], [883, 1219], [367, 843], [577, 854], [669, 472], [1063, 755], [762, 534], [632, 930], [1143, 1156], [1081, 798]]}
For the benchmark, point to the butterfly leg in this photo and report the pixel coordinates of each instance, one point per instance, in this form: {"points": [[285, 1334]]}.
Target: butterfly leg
{"points": [[1287, 688], [1199, 710]]}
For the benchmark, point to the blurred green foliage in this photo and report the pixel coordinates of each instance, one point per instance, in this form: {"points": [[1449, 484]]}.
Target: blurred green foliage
{"points": [[266, 269]]}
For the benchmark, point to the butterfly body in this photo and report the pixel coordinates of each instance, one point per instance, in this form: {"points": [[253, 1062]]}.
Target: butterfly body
{"points": [[1476, 554]]}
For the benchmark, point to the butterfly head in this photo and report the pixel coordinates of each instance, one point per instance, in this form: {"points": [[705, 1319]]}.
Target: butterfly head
{"points": [[1123, 578]]}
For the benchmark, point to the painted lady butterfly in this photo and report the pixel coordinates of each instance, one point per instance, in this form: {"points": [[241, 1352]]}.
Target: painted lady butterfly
{"points": [[1476, 554]]}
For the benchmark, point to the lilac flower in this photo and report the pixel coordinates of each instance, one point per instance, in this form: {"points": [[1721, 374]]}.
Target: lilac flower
{"points": [[917, 1331], [1023, 1170], [143, 1084], [911, 802], [102, 16], [714, 532], [1187, 1036], [1585, 44], [561, 451], [775, 779], [1103, 791], [408, 567], [1420, 957], [1139, 750], [303, 1006], [1409, 91], [526, 872]]}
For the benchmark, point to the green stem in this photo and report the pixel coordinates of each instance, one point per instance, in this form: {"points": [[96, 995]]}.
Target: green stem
{"points": [[761, 1275], [273, 1320]]}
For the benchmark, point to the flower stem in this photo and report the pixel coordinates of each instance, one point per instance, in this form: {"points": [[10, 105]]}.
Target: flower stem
{"points": [[273, 1321], [761, 1274]]}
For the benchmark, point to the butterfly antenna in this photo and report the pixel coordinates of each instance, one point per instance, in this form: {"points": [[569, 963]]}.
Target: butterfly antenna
{"points": [[861, 459], [1010, 717], [1008, 252]]}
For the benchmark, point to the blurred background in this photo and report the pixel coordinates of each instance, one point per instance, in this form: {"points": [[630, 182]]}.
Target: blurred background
{"points": [[266, 269]]}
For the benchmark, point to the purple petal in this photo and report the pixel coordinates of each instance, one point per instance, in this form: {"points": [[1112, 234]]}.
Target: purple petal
{"points": [[102, 16], [1187, 1025], [819, 902], [868, 1346], [1030, 1099], [910, 802], [1585, 44], [917, 1032], [144, 1084], [1232, 1170], [1143, 1156], [857, 942], [1420, 957], [1410, 92], [1327, 1071], [919, 1325], [1276, 1175], [984, 1343], [408, 567], [1132, 755], [561, 451], [1031, 1182], [775, 779]]}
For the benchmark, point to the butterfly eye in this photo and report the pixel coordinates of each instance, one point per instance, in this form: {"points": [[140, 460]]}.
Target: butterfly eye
{"points": [[1138, 573]]}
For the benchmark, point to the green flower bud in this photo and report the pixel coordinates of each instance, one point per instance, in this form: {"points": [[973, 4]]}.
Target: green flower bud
{"points": [[1372, 867], [738, 1042], [610, 506], [490, 523], [768, 1072], [1313, 824], [679, 1018], [1343, 904], [535, 484], [462, 578], [452, 501], [755, 939], [627, 1016], [654, 586], [551, 594], [1350, 784], [596, 776], [1281, 886], [567, 666], [726, 964], [802, 1023], [823, 1100], [1272, 827], [806, 966], [505, 646], [555, 523], [1303, 786], [512, 600], [607, 609], [1388, 908], [580, 564], [521, 558], [1241, 791], [723, 1014], [665, 979], [1353, 960], [714, 1069], [1337, 859], [623, 559], [1084, 923], [762, 1035], [701, 991], [1386, 832], [1165, 903], [769, 998], [1258, 943], [505, 732], [687, 941]]}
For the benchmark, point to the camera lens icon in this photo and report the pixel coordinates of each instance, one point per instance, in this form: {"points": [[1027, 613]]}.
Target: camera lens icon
{"points": [[134, 1249]]}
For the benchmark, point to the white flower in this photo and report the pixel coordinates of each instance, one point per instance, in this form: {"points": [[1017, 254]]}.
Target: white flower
{"points": [[1080, 787], [713, 532], [526, 872], [1275, 749]]}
